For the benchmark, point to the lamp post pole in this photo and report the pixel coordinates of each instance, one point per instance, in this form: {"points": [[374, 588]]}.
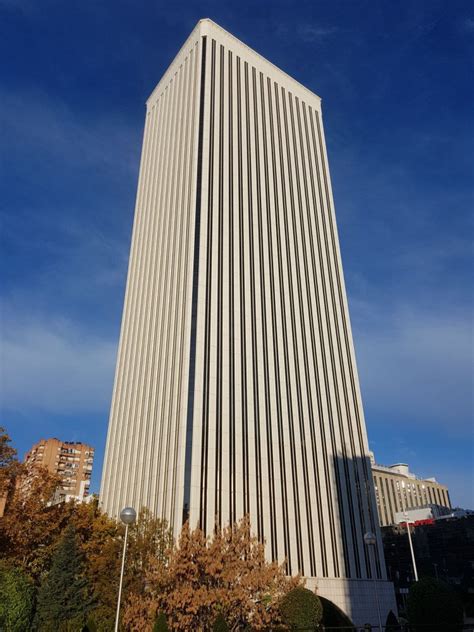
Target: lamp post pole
{"points": [[128, 517], [411, 547], [371, 541]]}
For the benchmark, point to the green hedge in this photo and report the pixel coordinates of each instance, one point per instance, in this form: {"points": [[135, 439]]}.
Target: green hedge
{"points": [[301, 609]]}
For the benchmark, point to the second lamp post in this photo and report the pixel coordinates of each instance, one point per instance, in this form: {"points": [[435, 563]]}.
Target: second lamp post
{"points": [[128, 516]]}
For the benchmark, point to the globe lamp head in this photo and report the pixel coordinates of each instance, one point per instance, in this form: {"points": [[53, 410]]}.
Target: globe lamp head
{"points": [[128, 515]]}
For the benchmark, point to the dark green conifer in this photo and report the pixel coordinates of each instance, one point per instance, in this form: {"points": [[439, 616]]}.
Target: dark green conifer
{"points": [[63, 598]]}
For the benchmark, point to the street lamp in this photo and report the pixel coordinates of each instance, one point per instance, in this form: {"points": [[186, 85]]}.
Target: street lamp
{"points": [[370, 542], [128, 517], [411, 545]]}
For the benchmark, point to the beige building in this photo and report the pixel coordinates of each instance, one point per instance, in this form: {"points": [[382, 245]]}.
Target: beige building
{"points": [[72, 462], [398, 490], [236, 388]]}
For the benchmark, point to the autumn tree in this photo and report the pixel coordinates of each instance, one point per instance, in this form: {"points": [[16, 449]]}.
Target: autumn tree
{"points": [[202, 578], [7, 452], [9, 467], [98, 539], [150, 540], [31, 526], [101, 540], [63, 598]]}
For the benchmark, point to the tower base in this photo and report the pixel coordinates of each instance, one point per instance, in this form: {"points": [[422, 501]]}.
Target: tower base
{"points": [[357, 598]]}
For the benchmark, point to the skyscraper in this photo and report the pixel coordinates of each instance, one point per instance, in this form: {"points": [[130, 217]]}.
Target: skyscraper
{"points": [[236, 389]]}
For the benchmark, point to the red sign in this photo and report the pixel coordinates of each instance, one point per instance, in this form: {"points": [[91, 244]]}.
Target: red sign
{"points": [[419, 523]]}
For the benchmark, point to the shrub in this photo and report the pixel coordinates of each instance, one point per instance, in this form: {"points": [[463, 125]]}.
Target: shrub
{"points": [[301, 609], [220, 624], [433, 605], [160, 623]]}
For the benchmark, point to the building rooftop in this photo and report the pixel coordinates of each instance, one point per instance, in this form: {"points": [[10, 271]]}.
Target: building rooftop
{"points": [[401, 469], [206, 27]]}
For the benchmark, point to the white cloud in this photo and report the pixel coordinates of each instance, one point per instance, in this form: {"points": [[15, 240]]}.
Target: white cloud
{"points": [[416, 365], [36, 122], [459, 483], [54, 367], [19, 5], [469, 24], [419, 366], [313, 33]]}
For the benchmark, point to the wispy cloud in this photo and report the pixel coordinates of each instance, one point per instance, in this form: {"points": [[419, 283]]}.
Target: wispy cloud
{"points": [[468, 25], [54, 366], [66, 265], [52, 128], [316, 33], [419, 366], [306, 32], [25, 6]]}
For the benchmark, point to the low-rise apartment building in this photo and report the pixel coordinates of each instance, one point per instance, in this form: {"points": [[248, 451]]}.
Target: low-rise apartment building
{"points": [[397, 489]]}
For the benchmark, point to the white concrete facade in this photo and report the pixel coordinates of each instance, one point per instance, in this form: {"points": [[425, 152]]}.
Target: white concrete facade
{"points": [[236, 389]]}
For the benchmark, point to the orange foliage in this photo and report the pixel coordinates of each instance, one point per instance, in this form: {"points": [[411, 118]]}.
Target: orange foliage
{"points": [[30, 527], [203, 577], [9, 467]]}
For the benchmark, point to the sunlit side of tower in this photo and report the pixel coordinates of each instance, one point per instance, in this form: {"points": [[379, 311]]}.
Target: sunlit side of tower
{"points": [[236, 389]]}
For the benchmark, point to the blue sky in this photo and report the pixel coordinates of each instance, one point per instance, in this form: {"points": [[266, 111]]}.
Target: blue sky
{"points": [[398, 103]]}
